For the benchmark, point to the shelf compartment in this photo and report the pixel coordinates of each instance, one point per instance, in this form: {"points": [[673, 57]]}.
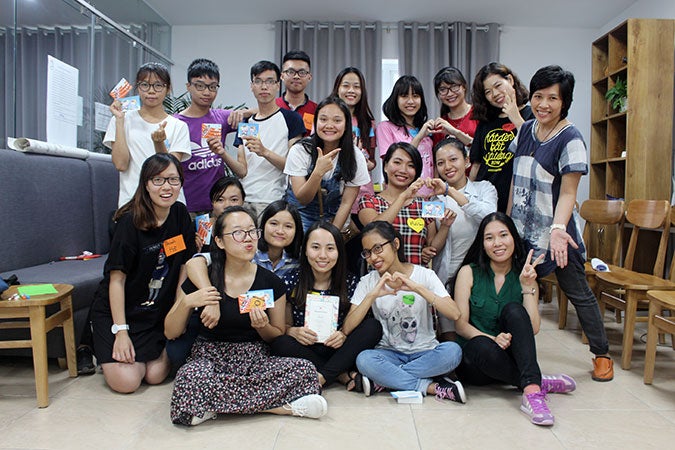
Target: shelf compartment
{"points": [[616, 136]]}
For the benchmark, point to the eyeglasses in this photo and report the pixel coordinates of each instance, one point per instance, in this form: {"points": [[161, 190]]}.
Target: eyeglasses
{"points": [[268, 82], [377, 249], [145, 86], [159, 181], [445, 89], [302, 73], [201, 86], [240, 235]]}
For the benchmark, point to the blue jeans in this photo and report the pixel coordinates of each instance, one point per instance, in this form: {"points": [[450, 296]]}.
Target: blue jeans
{"points": [[409, 372]]}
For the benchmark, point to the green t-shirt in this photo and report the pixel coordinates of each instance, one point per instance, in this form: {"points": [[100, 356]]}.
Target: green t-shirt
{"points": [[485, 304]]}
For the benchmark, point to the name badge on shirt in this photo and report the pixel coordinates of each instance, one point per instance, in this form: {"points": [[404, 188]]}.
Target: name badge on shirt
{"points": [[308, 120], [174, 245]]}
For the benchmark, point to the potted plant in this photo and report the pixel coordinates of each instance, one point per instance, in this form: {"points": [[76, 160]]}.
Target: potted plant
{"points": [[618, 95]]}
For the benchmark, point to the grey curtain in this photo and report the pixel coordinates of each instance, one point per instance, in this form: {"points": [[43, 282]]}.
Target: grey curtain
{"points": [[424, 48], [332, 47]]}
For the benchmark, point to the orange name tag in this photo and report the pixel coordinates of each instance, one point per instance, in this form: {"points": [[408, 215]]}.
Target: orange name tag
{"points": [[308, 120], [174, 245]]}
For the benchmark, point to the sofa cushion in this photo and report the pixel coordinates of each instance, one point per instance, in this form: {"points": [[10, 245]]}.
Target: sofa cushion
{"points": [[105, 187]]}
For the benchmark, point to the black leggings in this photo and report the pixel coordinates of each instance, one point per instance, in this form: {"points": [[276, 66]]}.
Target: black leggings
{"points": [[484, 362], [331, 362]]}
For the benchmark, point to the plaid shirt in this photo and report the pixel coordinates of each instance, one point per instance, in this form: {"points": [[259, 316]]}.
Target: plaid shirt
{"points": [[413, 241]]}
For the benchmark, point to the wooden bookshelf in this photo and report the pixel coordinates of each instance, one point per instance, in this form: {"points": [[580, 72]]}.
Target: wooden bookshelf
{"points": [[631, 151]]}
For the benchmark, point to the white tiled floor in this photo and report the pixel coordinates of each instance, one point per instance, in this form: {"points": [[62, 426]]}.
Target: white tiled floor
{"points": [[624, 413]]}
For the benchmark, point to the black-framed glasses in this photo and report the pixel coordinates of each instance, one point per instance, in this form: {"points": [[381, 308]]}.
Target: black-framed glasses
{"points": [[377, 249], [302, 73], [145, 86], [201, 86], [159, 181], [452, 88], [240, 235], [268, 82]]}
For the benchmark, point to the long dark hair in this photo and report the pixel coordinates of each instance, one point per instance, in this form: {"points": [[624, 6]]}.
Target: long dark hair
{"points": [[338, 276], [293, 249], [364, 116], [140, 205], [449, 75], [477, 255], [482, 108], [346, 156], [390, 107], [218, 256], [388, 232]]}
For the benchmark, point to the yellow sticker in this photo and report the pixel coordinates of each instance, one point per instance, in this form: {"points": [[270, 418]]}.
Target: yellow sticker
{"points": [[416, 224], [174, 245]]}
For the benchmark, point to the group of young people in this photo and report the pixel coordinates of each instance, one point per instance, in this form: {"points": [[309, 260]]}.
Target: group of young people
{"points": [[467, 276]]}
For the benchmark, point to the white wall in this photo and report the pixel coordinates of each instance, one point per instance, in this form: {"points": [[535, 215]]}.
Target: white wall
{"points": [[643, 9]]}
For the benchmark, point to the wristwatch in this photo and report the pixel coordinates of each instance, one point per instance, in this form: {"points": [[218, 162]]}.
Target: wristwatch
{"points": [[116, 328]]}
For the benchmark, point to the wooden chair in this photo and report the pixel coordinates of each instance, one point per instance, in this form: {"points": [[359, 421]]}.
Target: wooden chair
{"points": [[604, 220], [624, 288], [659, 301]]}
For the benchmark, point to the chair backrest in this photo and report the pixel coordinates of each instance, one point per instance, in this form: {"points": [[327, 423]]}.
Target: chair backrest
{"points": [[604, 221], [649, 214], [671, 275]]}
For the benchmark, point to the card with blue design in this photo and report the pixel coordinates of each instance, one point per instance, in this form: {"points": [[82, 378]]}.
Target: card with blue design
{"points": [[263, 298], [245, 129], [132, 103], [433, 209]]}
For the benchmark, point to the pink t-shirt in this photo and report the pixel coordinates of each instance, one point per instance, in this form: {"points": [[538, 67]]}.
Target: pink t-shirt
{"points": [[388, 133]]}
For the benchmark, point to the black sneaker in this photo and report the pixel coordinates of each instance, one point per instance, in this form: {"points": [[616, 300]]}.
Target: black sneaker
{"points": [[450, 390], [85, 361]]}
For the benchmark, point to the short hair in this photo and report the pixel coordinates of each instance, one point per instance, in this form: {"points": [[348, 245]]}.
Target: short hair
{"points": [[550, 75], [410, 150], [388, 232], [222, 184], [448, 75], [403, 85], [262, 66], [158, 69], [140, 205], [479, 257], [293, 249], [482, 109], [202, 67], [296, 55]]}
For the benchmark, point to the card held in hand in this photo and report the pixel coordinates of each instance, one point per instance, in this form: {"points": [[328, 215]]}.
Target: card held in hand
{"points": [[321, 314], [263, 298]]}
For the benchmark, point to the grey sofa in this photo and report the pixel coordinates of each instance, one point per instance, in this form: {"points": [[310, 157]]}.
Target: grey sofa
{"points": [[51, 207]]}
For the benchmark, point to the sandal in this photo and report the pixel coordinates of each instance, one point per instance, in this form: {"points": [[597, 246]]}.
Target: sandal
{"points": [[361, 383]]}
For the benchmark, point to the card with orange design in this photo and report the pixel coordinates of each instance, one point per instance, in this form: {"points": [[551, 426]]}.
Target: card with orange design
{"points": [[121, 89], [263, 298], [211, 130]]}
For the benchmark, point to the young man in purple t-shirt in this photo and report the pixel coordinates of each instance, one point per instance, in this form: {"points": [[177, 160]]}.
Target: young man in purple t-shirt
{"points": [[210, 160]]}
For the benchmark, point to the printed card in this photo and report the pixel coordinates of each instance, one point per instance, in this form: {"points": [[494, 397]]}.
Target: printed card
{"points": [[433, 209], [121, 89], [263, 298], [130, 103], [204, 227], [246, 129], [211, 130], [321, 314]]}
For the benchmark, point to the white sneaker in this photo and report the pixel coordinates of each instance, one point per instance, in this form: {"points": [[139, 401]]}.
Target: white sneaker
{"points": [[312, 406], [208, 415]]}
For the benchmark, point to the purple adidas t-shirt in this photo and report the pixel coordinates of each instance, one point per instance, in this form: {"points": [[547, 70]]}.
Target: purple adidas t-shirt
{"points": [[204, 167]]}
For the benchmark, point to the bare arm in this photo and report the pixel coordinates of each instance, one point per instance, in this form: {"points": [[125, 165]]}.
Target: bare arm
{"points": [[238, 165], [123, 348], [560, 239], [276, 324], [120, 150], [348, 197]]}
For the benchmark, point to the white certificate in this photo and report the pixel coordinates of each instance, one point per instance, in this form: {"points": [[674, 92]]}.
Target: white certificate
{"points": [[321, 315]]}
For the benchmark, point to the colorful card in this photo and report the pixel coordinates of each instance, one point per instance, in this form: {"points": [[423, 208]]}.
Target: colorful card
{"points": [[263, 298], [246, 129], [321, 314], [211, 130], [121, 89], [204, 227], [131, 103], [433, 209]]}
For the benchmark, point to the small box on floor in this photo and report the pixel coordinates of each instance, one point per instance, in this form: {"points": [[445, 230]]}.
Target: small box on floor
{"points": [[408, 396]]}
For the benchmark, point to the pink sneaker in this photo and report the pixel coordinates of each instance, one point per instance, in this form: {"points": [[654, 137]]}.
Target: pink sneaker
{"points": [[534, 405], [557, 384]]}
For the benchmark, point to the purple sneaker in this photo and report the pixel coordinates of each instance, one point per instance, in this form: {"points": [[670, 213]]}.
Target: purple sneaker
{"points": [[557, 384], [534, 405]]}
